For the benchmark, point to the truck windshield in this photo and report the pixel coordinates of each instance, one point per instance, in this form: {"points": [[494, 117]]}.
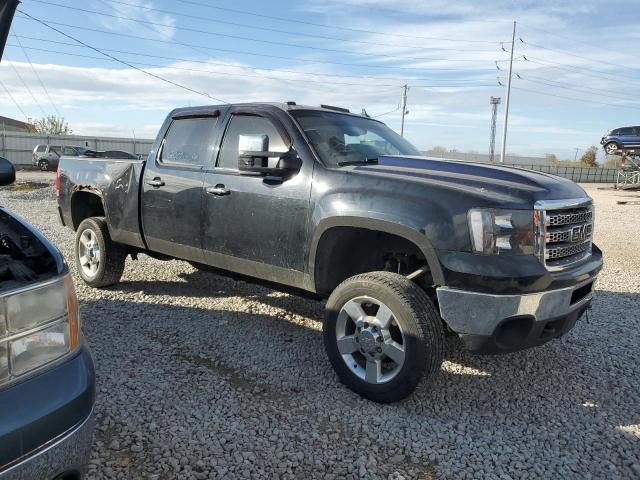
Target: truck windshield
{"points": [[341, 139]]}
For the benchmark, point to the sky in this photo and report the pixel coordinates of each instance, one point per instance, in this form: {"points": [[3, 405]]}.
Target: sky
{"points": [[575, 73]]}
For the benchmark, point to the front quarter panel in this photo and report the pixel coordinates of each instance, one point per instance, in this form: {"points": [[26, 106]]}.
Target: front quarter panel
{"points": [[431, 220]]}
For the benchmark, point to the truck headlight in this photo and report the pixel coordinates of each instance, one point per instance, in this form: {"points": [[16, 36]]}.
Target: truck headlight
{"points": [[499, 232], [38, 325]]}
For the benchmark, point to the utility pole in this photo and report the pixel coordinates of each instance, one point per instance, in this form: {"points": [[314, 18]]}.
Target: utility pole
{"points": [[506, 106], [403, 105], [494, 102]]}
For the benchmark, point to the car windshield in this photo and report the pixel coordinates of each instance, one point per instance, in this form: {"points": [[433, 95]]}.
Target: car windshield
{"points": [[341, 139]]}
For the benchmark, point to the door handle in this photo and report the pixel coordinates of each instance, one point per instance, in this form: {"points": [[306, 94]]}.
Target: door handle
{"points": [[155, 183], [219, 190]]}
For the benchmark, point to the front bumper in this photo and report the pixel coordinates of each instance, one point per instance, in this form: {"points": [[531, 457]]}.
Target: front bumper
{"points": [[489, 323], [46, 422], [66, 455]]}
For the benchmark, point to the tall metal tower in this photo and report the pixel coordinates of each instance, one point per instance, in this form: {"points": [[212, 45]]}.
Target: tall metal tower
{"points": [[494, 102]]}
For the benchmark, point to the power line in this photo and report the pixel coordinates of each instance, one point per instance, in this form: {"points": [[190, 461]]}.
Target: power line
{"points": [[14, 101], [36, 74], [387, 113], [564, 52], [259, 69], [581, 100], [286, 32], [238, 37], [568, 86], [166, 80], [261, 55], [571, 39], [572, 68], [334, 27], [24, 84], [217, 72]]}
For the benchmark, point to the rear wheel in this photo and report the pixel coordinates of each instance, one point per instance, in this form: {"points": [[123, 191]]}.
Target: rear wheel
{"points": [[43, 165], [99, 259], [611, 147], [382, 335]]}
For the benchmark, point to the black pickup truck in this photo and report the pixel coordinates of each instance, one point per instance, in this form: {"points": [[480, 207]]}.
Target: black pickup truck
{"points": [[338, 205]]}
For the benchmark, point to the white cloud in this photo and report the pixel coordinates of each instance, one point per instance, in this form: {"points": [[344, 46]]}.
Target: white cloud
{"points": [[138, 10], [117, 99]]}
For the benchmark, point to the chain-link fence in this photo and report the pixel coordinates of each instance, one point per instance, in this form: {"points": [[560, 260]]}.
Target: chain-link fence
{"points": [[577, 174]]}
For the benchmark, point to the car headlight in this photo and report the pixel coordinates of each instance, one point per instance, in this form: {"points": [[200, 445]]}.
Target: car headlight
{"points": [[499, 232], [38, 325]]}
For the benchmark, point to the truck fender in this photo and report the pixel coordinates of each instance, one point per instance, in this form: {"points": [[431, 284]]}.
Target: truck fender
{"points": [[414, 236]]}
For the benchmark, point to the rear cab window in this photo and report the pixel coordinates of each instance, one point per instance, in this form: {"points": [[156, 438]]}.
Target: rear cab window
{"points": [[189, 142]]}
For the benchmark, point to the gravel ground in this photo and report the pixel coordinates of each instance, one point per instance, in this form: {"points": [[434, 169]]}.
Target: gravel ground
{"points": [[200, 376]]}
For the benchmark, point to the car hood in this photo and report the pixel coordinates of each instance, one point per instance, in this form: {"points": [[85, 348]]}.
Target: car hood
{"points": [[493, 184]]}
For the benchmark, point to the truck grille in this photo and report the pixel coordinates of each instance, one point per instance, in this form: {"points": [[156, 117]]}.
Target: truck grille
{"points": [[566, 233], [576, 215]]}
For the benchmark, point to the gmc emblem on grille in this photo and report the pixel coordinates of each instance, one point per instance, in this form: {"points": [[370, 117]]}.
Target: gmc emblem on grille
{"points": [[581, 232]]}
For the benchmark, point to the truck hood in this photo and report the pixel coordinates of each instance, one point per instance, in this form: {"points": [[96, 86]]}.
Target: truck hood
{"points": [[494, 184]]}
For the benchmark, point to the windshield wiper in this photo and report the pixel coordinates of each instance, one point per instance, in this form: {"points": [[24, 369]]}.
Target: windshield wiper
{"points": [[373, 161]]}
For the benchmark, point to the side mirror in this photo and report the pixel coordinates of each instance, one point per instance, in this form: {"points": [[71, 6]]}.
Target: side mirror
{"points": [[253, 143], [7, 172], [254, 155]]}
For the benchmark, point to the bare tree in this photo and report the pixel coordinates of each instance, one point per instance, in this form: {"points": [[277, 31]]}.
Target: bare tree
{"points": [[589, 157], [50, 125]]}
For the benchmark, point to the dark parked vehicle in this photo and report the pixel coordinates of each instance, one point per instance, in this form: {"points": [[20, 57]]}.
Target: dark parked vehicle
{"points": [[87, 152], [621, 139], [338, 205], [46, 157], [74, 151], [46, 370], [116, 154]]}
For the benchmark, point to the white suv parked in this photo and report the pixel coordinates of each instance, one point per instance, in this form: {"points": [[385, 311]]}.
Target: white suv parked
{"points": [[46, 157]]}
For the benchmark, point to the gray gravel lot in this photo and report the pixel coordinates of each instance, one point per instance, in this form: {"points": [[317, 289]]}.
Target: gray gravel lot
{"points": [[200, 376]]}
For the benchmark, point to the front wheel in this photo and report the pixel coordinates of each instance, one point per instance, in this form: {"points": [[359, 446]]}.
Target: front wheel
{"points": [[611, 148], [383, 335], [44, 165], [100, 260]]}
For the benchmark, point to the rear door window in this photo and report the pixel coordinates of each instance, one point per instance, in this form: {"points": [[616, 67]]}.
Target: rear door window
{"points": [[69, 151], [189, 142]]}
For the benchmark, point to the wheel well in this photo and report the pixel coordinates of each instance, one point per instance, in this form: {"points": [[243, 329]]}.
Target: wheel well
{"points": [[85, 205], [346, 251]]}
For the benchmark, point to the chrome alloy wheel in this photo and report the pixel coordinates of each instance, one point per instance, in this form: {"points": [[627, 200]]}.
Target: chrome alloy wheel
{"points": [[370, 340], [89, 252]]}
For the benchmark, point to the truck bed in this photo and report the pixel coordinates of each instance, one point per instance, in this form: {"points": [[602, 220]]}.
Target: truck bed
{"points": [[116, 181]]}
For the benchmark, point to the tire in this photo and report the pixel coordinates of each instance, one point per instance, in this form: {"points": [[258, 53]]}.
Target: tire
{"points": [[611, 148], [43, 165], [412, 324], [101, 266]]}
